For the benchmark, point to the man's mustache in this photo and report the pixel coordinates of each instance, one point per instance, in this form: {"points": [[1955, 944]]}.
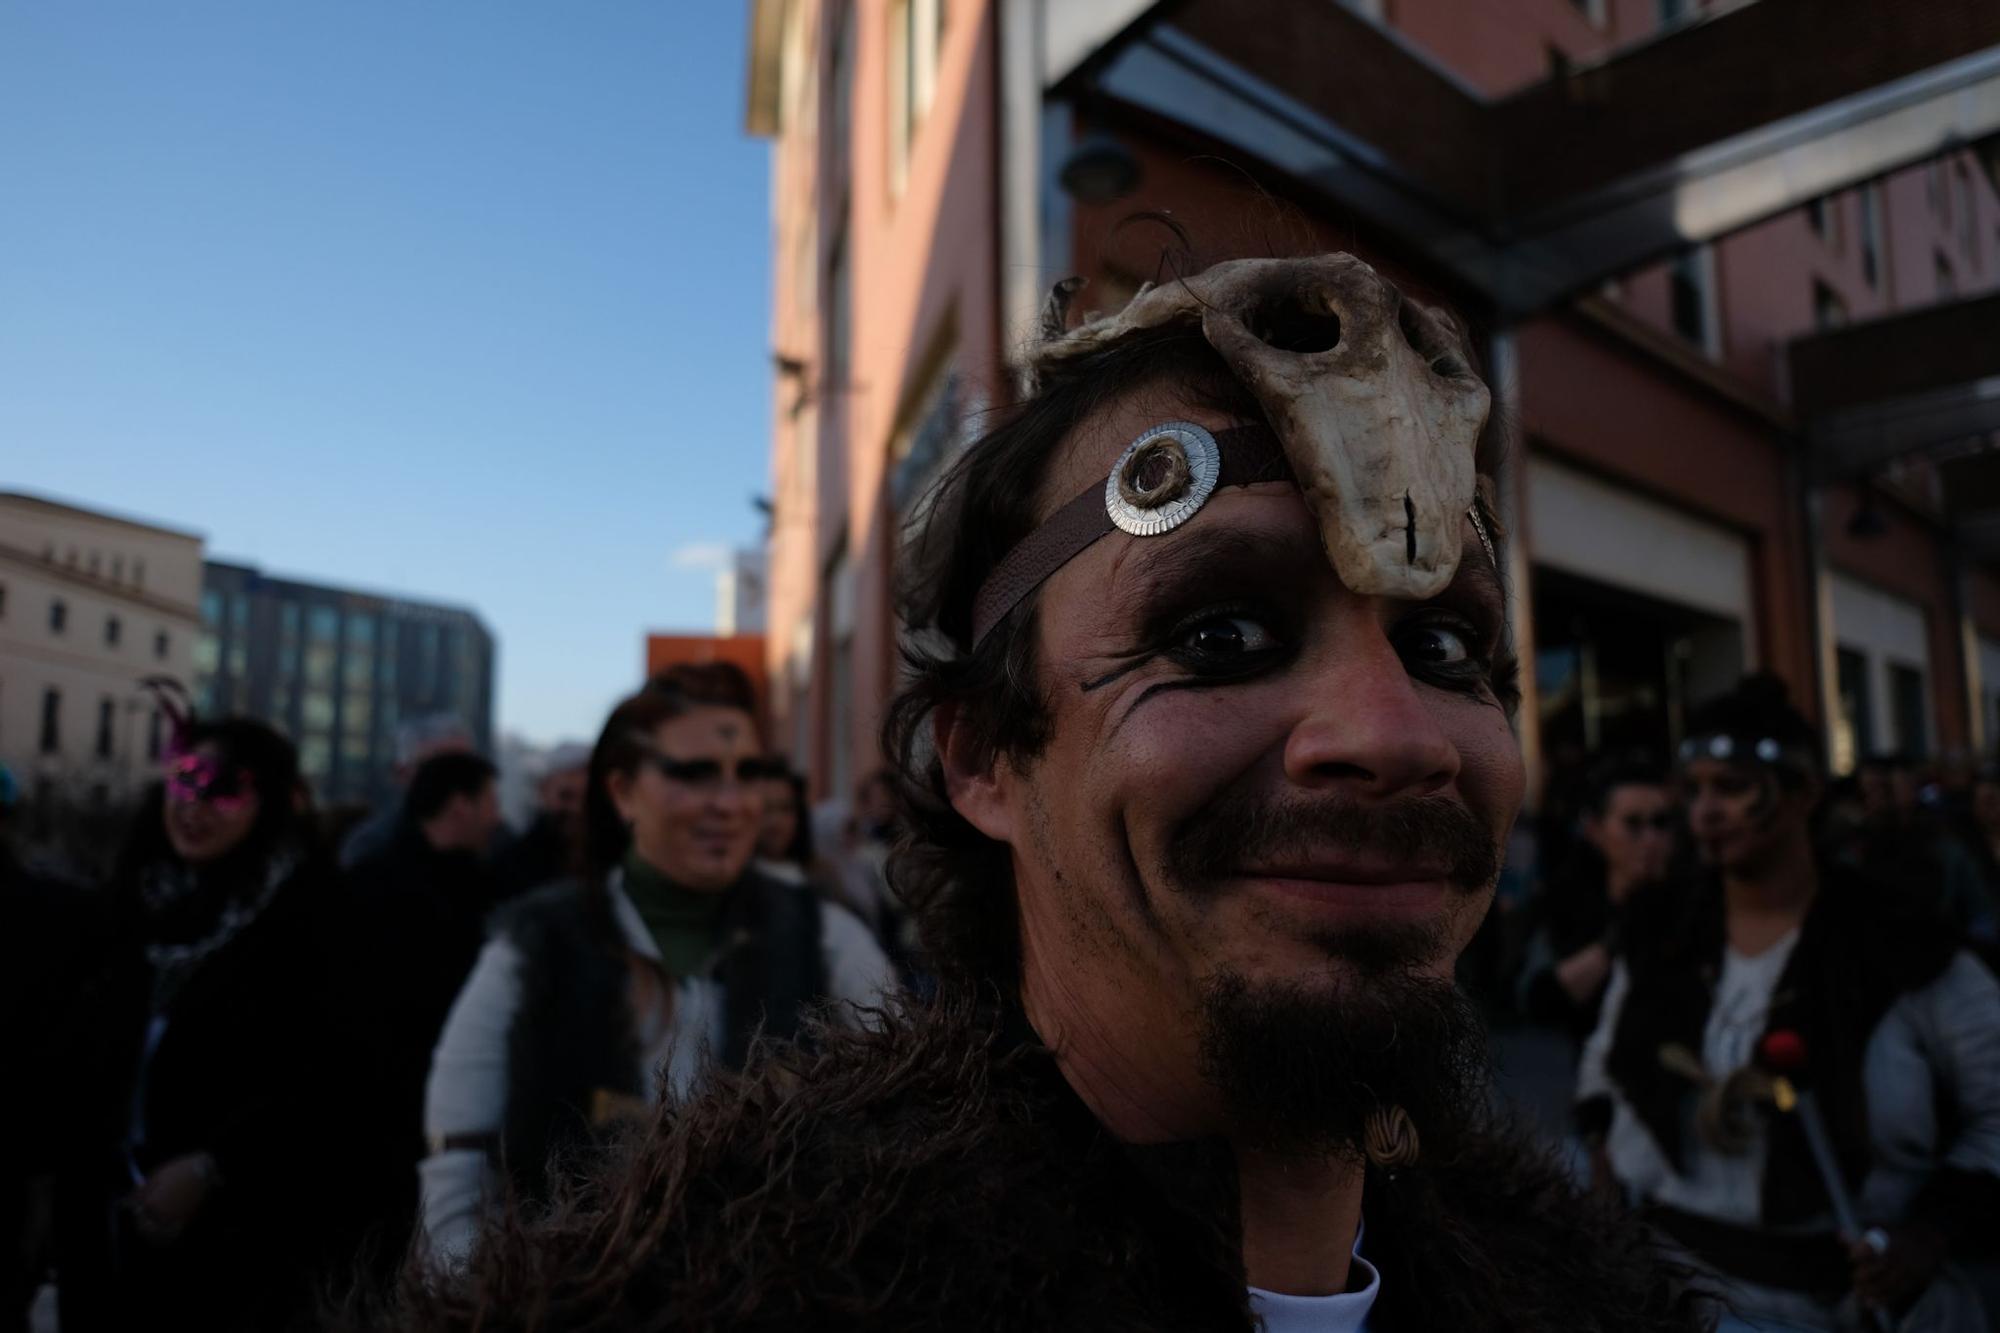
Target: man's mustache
{"points": [[1244, 829]]}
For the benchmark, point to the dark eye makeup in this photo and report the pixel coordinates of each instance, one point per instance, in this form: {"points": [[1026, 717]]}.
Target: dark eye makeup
{"points": [[1218, 644]]}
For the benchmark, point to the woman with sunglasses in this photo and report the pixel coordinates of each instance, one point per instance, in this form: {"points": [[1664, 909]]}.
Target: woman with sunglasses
{"points": [[184, 1210], [598, 994], [1799, 1077]]}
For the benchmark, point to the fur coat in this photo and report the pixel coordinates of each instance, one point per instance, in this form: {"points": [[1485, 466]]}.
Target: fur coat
{"points": [[937, 1173]]}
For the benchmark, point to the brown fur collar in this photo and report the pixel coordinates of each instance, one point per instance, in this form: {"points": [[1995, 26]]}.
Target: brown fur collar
{"points": [[937, 1173]]}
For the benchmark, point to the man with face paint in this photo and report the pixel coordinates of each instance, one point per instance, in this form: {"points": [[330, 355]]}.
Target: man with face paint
{"points": [[1791, 1001], [1204, 761]]}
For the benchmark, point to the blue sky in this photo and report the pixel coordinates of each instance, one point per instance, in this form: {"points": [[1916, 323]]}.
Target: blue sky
{"points": [[459, 299]]}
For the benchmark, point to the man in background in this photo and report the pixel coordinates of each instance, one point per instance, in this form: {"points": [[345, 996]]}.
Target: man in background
{"points": [[417, 739], [410, 928], [548, 848]]}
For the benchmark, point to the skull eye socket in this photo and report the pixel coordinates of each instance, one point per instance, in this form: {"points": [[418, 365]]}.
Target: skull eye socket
{"points": [[1289, 326], [1429, 341]]}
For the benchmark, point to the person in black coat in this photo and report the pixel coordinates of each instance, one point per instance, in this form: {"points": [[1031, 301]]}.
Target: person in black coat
{"points": [[45, 931], [188, 1199], [412, 919], [1622, 854], [551, 847]]}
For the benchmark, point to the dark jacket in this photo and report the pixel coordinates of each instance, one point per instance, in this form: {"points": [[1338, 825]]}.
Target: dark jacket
{"points": [[539, 856], [573, 1050], [227, 1069], [409, 926], [939, 1174], [46, 940], [1859, 950]]}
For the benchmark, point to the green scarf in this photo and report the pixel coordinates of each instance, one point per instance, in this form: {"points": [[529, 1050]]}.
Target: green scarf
{"points": [[681, 921]]}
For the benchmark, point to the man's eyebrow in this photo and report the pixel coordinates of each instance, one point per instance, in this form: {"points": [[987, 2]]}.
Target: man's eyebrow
{"points": [[1476, 567], [1150, 565]]}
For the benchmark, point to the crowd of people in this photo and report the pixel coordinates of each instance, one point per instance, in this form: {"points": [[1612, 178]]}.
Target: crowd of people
{"points": [[271, 1058], [1755, 968]]}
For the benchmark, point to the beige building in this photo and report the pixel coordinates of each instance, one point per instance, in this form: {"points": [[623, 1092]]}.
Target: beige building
{"points": [[90, 605]]}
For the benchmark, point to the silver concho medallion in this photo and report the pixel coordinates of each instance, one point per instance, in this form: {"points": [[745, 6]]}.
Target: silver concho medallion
{"points": [[1162, 479]]}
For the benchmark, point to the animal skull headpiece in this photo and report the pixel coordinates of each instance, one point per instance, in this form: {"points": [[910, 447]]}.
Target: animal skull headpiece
{"points": [[1372, 397]]}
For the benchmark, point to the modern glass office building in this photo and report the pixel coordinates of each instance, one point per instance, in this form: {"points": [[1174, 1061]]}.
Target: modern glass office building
{"points": [[337, 669]]}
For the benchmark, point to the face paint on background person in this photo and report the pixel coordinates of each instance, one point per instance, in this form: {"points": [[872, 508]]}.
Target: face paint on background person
{"points": [[1734, 810]]}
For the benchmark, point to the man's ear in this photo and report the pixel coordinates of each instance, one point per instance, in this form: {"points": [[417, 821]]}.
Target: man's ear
{"points": [[977, 785]]}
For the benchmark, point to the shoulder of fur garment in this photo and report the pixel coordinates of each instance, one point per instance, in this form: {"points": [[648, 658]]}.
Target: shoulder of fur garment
{"points": [[938, 1173]]}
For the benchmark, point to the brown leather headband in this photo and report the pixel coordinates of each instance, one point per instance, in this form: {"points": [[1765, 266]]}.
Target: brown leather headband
{"points": [[1249, 454]]}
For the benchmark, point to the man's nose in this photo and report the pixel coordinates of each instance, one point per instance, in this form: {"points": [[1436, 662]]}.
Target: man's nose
{"points": [[1365, 727]]}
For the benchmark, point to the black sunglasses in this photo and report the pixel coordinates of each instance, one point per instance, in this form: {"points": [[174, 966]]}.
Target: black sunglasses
{"points": [[708, 773], [1661, 823]]}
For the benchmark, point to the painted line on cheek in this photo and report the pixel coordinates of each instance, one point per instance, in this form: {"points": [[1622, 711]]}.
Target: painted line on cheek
{"points": [[1153, 691], [1092, 685]]}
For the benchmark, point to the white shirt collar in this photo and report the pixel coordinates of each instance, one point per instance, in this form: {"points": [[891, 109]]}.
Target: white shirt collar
{"points": [[630, 924], [1344, 1312]]}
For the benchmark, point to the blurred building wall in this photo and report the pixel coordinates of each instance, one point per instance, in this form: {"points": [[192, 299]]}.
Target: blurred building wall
{"points": [[90, 604], [337, 669]]}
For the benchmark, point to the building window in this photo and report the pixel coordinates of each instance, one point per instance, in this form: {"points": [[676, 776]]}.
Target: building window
{"points": [[160, 646], [1947, 281], [1856, 731], [1968, 215], [1871, 233], [1823, 214], [1673, 11], [156, 729], [1829, 311], [139, 573], [3, 601], [93, 564], [1906, 695], [914, 29], [316, 759], [1593, 10], [58, 616], [840, 83], [113, 631], [239, 645], [838, 597], [117, 569], [928, 439], [1691, 278], [836, 315], [107, 714], [51, 721], [1934, 188]]}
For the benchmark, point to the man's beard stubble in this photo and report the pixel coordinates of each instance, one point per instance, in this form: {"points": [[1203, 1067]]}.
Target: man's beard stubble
{"points": [[1302, 1067], [1303, 1062]]}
